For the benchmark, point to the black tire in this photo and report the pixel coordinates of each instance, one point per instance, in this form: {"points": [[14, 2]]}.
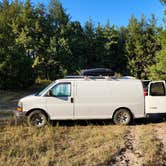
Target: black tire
{"points": [[122, 117], [37, 119]]}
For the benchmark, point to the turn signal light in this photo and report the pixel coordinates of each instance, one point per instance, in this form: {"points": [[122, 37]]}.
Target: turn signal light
{"points": [[19, 109]]}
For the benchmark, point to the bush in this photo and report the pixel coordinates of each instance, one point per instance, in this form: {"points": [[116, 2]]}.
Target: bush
{"points": [[42, 82], [16, 72]]}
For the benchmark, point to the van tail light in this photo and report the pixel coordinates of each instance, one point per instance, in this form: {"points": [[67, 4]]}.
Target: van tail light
{"points": [[144, 92]]}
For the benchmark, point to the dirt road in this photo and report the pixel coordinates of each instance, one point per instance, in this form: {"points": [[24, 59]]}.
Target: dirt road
{"points": [[128, 155], [137, 152]]}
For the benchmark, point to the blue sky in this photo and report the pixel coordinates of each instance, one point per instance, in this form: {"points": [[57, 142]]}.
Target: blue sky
{"points": [[117, 11]]}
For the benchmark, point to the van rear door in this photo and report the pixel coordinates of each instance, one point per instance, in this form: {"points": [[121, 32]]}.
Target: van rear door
{"points": [[156, 100]]}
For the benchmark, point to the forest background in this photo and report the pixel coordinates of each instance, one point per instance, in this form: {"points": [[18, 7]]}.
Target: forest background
{"points": [[41, 44]]}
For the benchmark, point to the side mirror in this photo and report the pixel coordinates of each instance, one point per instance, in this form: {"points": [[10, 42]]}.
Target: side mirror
{"points": [[50, 93]]}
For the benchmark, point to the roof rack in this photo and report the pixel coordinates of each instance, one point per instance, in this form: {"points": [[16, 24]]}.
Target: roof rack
{"points": [[98, 77], [90, 77], [76, 76]]}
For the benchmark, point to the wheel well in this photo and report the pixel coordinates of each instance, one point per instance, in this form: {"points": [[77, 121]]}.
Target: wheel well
{"points": [[132, 116], [34, 109]]}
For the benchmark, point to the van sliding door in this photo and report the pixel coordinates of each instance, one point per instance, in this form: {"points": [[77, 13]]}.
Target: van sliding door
{"points": [[93, 100]]}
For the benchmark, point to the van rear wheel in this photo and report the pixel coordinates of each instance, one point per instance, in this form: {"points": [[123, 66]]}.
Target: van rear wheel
{"points": [[37, 118], [122, 117]]}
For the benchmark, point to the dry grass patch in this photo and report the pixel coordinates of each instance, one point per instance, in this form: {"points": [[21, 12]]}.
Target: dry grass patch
{"points": [[76, 145], [148, 145]]}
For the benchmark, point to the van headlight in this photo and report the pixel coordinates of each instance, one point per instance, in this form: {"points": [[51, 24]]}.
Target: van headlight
{"points": [[20, 107]]}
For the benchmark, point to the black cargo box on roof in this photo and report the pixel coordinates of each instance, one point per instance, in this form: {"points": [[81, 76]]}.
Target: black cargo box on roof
{"points": [[97, 72]]}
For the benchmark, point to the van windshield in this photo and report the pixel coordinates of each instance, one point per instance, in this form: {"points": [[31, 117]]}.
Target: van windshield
{"points": [[45, 89]]}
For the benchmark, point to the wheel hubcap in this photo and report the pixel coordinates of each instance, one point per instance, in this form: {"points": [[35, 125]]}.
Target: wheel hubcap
{"points": [[38, 120], [122, 117]]}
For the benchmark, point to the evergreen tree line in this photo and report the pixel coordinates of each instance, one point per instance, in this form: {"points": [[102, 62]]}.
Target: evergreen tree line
{"points": [[42, 42]]}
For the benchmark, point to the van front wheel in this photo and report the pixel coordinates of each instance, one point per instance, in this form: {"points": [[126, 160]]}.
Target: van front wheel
{"points": [[122, 117], [37, 118]]}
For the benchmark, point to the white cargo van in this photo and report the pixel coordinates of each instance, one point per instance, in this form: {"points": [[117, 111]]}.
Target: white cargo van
{"points": [[91, 98]]}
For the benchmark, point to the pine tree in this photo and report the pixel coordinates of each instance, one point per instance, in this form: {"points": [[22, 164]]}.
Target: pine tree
{"points": [[89, 32], [163, 2], [141, 46], [76, 40], [110, 56], [54, 60], [158, 70]]}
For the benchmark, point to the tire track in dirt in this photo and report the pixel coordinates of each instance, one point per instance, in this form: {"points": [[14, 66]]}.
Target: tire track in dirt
{"points": [[128, 156], [160, 133]]}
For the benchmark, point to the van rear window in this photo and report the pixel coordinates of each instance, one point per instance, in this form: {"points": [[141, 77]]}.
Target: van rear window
{"points": [[157, 89]]}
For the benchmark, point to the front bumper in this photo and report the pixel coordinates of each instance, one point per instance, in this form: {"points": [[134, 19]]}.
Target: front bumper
{"points": [[20, 115]]}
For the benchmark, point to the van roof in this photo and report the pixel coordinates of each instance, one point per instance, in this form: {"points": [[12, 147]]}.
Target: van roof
{"points": [[95, 79]]}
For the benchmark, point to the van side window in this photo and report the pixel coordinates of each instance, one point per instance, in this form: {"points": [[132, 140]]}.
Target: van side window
{"points": [[157, 89], [61, 90]]}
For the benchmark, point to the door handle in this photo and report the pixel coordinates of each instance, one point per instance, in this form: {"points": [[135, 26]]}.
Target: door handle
{"points": [[72, 100]]}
